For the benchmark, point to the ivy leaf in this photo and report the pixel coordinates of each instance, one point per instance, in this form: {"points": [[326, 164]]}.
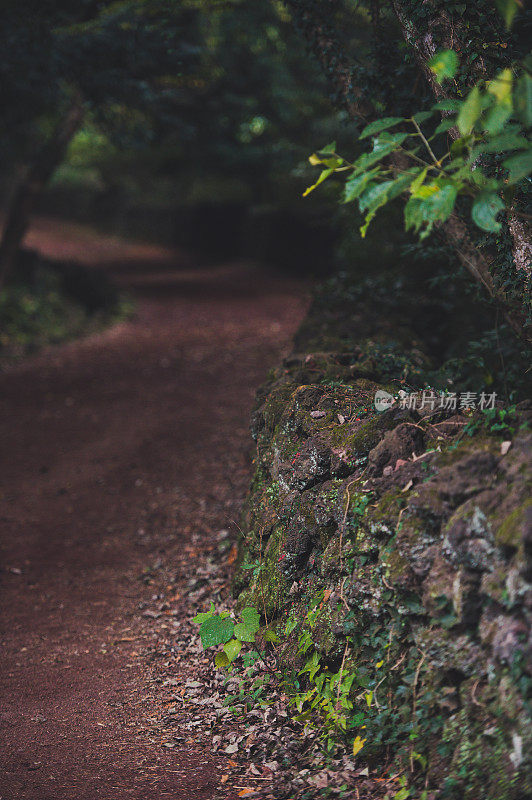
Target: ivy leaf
{"points": [[444, 65], [470, 111], [508, 10], [523, 99], [232, 649], [215, 631], [485, 209], [380, 125], [519, 166]]}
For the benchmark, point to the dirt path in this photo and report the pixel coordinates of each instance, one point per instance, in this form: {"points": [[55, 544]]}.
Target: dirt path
{"points": [[120, 452]]}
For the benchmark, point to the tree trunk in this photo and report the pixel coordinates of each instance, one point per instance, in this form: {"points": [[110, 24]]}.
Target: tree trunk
{"points": [[33, 183]]}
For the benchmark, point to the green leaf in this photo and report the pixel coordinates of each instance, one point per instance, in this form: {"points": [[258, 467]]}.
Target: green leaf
{"points": [[382, 147], [291, 624], [402, 183], [523, 99], [357, 183], [444, 65], [470, 111], [374, 197], [422, 116], [380, 194], [519, 166], [507, 9], [402, 794], [422, 212], [444, 125], [380, 125], [243, 633], [221, 660], [485, 209], [448, 105], [418, 181], [323, 175], [232, 649], [215, 631], [500, 144], [203, 615], [500, 88], [251, 618]]}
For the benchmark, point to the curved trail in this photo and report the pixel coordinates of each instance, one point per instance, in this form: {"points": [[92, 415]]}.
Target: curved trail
{"points": [[119, 452]]}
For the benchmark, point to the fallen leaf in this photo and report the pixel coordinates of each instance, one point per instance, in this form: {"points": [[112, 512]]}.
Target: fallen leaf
{"points": [[358, 744], [233, 553]]}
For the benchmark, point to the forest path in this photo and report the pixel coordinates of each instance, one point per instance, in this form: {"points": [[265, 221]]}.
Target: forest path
{"points": [[123, 455]]}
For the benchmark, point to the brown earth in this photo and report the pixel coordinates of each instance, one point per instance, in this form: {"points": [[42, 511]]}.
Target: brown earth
{"points": [[121, 452]]}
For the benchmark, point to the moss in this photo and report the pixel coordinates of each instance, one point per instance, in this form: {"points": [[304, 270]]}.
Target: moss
{"points": [[396, 568], [269, 591], [276, 404], [510, 532], [358, 440]]}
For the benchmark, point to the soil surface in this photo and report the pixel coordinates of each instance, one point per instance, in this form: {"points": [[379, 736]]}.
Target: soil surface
{"points": [[124, 456]]}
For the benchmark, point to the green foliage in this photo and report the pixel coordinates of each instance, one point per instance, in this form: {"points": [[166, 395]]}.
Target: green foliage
{"points": [[221, 629], [38, 307], [508, 10], [490, 120], [444, 65], [479, 150]]}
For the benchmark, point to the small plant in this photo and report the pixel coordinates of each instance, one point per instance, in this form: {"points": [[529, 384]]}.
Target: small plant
{"points": [[223, 630]]}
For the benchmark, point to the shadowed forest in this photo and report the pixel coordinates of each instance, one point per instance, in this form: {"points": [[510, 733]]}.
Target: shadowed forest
{"points": [[265, 393]]}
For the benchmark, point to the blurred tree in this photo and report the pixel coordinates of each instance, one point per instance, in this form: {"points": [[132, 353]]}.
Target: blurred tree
{"points": [[129, 63]]}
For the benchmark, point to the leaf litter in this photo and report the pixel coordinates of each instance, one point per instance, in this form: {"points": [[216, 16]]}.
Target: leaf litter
{"points": [[264, 753]]}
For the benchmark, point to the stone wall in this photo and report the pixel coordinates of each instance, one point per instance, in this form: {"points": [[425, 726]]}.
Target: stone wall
{"points": [[399, 544]]}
